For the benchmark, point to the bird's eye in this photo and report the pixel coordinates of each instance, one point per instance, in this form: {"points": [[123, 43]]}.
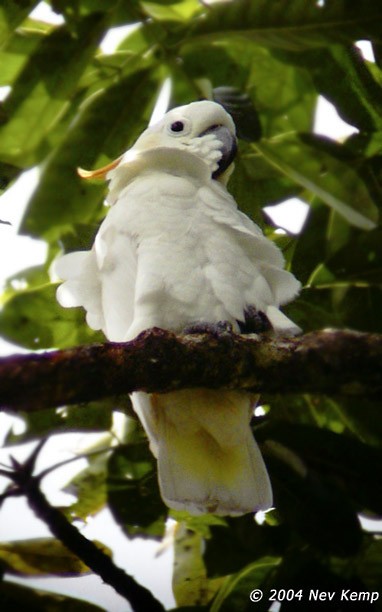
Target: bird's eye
{"points": [[177, 126]]}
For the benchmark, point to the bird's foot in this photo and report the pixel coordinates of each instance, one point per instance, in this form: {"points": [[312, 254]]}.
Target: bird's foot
{"points": [[256, 322]]}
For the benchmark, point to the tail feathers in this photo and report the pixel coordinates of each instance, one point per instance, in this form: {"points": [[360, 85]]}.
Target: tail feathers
{"points": [[208, 460]]}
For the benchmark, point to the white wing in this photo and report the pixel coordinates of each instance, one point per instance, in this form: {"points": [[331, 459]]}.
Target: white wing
{"points": [[102, 280], [244, 263]]}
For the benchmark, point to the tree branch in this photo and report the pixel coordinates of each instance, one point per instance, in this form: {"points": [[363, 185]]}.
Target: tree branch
{"points": [[330, 361]]}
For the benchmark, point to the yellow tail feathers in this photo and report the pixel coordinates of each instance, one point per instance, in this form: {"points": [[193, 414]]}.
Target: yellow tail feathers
{"points": [[208, 460]]}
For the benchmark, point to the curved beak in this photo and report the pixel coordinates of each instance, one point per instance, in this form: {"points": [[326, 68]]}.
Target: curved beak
{"points": [[100, 173], [228, 147]]}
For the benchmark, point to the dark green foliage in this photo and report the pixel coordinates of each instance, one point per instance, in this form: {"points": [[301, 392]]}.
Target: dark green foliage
{"points": [[267, 62], [133, 492]]}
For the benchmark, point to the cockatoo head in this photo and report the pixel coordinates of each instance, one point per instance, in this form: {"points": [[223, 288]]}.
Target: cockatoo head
{"points": [[203, 129]]}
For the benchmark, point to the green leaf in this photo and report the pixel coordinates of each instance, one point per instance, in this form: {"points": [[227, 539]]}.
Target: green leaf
{"points": [[89, 418], [335, 465], [246, 541], [172, 10], [305, 501], [311, 247], [342, 75], [306, 409], [290, 24], [367, 144], [190, 583], [16, 54], [16, 597], [30, 278], [338, 305], [360, 259], [359, 307], [34, 319], [89, 485], [8, 173], [326, 413], [255, 183], [359, 416], [11, 15], [234, 594], [284, 102], [304, 574], [120, 13], [106, 125], [200, 523], [369, 565], [42, 557], [147, 35], [315, 164], [44, 87], [133, 491]]}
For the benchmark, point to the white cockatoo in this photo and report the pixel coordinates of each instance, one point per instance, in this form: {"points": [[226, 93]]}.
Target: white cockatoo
{"points": [[174, 250]]}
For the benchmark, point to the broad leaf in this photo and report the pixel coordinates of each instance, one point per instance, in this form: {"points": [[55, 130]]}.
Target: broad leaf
{"points": [[304, 502], [246, 541], [16, 597], [178, 10], [107, 125], [317, 166], [90, 418], [40, 94], [234, 594], [190, 583], [291, 24], [342, 75], [42, 557], [283, 103], [133, 491], [21, 321], [369, 565], [89, 486], [16, 54], [327, 465], [11, 15]]}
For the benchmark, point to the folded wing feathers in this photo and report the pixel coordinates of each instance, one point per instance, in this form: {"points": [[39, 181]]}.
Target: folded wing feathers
{"points": [[259, 275], [82, 286]]}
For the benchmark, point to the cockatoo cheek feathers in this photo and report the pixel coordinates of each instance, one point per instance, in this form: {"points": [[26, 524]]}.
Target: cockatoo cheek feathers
{"points": [[227, 147]]}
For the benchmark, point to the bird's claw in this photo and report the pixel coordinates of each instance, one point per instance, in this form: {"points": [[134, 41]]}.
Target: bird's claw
{"points": [[255, 322]]}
